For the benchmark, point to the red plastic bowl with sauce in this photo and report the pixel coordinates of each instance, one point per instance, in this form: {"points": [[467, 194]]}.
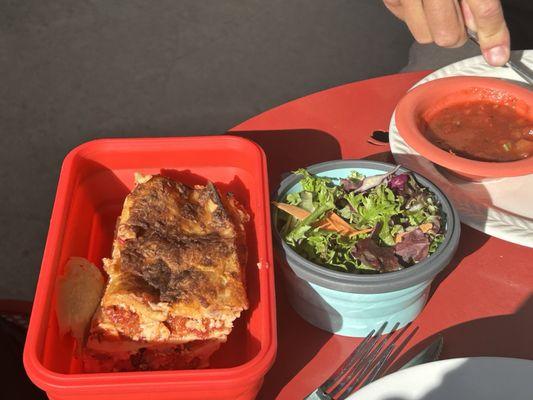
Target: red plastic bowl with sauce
{"points": [[475, 127]]}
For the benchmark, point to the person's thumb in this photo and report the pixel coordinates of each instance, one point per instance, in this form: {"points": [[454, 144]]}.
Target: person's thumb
{"points": [[486, 18]]}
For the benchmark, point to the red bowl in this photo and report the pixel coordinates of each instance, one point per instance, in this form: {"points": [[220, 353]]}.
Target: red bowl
{"points": [[440, 93], [95, 179]]}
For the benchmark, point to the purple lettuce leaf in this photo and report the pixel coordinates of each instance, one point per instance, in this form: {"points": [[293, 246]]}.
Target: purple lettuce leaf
{"points": [[414, 246], [350, 185], [397, 183], [380, 258]]}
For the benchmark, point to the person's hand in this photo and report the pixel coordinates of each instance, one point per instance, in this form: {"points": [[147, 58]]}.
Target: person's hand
{"points": [[443, 22]]}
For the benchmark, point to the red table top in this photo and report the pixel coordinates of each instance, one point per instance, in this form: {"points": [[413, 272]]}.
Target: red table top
{"points": [[482, 302]]}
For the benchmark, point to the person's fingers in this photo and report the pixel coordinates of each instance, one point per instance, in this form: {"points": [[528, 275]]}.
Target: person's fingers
{"points": [[492, 31], [461, 18], [445, 22], [415, 18], [395, 7], [470, 22]]}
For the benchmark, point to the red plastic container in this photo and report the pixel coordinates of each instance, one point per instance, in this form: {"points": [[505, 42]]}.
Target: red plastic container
{"points": [[95, 178]]}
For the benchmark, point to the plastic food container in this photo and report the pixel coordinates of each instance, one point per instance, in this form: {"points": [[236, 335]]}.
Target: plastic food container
{"points": [[354, 304], [94, 180]]}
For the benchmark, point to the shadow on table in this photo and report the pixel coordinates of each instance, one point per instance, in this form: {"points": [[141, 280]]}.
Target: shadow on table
{"points": [[287, 150], [298, 343], [471, 241], [499, 336], [384, 156]]}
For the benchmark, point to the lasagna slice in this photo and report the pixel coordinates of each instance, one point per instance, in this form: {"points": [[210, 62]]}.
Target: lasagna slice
{"points": [[176, 279]]}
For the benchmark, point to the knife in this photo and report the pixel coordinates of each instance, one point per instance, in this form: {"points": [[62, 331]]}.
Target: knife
{"points": [[430, 353]]}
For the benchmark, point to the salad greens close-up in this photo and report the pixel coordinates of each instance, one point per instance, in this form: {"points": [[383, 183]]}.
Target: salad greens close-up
{"points": [[361, 224]]}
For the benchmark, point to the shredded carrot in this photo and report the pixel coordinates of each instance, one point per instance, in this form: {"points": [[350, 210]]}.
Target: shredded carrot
{"points": [[331, 222], [399, 237], [296, 212], [426, 227]]}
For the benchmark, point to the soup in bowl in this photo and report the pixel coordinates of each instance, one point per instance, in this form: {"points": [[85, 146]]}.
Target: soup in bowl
{"points": [[475, 127]]}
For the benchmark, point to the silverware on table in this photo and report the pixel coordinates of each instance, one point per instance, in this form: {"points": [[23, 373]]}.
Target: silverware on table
{"points": [[521, 70], [367, 362]]}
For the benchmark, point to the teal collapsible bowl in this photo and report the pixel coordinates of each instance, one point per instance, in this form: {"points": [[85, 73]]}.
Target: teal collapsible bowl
{"points": [[354, 304]]}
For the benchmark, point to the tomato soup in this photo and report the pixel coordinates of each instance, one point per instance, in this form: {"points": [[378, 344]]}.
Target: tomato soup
{"points": [[481, 130]]}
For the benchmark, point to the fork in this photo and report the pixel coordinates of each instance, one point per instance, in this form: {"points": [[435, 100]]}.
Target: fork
{"points": [[521, 70], [363, 366]]}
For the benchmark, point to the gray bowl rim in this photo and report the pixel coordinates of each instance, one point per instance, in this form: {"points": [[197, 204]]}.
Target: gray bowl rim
{"points": [[378, 283]]}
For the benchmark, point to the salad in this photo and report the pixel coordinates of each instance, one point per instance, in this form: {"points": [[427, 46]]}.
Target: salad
{"points": [[362, 224]]}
